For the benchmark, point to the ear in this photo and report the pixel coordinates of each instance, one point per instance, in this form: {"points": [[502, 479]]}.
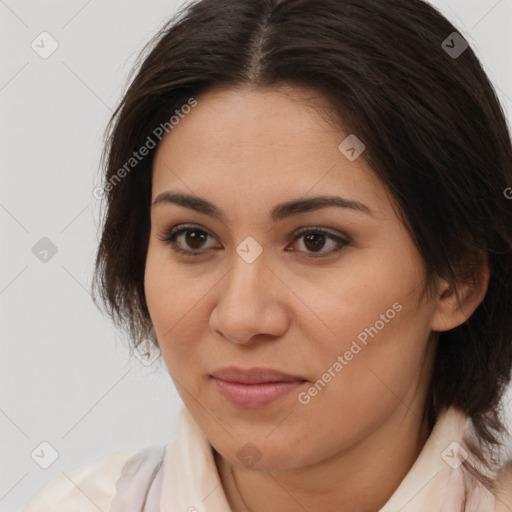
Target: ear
{"points": [[453, 310]]}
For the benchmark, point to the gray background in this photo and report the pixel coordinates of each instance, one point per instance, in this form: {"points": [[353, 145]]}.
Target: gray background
{"points": [[66, 376]]}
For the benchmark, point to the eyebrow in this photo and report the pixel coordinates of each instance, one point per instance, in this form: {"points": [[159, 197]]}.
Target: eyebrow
{"points": [[279, 212]]}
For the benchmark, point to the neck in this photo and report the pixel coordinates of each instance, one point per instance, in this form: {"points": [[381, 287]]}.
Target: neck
{"points": [[361, 478]]}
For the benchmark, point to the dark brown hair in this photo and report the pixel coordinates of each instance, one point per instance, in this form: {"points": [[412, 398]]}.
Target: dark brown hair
{"points": [[435, 135]]}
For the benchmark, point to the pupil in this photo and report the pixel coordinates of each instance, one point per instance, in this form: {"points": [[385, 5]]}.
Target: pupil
{"points": [[195, 239], [316, 239]]}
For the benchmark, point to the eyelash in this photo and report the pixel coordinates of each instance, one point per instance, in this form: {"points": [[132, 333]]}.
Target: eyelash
{"points": [[170, 235]]}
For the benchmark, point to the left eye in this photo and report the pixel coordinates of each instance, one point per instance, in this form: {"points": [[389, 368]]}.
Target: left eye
{"points": [[314, 240]]}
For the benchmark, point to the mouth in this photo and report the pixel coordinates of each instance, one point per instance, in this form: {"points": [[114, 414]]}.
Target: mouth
{"points": [[254, 388]]}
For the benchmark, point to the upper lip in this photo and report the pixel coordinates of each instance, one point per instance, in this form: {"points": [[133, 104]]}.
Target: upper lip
{"points": [[256, 375]]}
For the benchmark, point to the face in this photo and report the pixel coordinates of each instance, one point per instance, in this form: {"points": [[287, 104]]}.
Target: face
{"points": [[331, 295]]}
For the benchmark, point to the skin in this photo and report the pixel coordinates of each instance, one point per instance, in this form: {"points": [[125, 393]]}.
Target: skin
{"points": [[246, 150]]}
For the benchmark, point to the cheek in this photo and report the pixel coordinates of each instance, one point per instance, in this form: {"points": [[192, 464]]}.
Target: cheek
{"points": [[380, 359], [156, 287], [373, 365], [166, 294], [344, 303], [372, 318], [176, 303], [166, 288]]}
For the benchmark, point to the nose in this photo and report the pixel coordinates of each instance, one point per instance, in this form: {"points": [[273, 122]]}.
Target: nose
{"points": [[251, 303]]}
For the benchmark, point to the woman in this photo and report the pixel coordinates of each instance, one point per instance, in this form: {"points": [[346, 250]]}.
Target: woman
{"points": [[307, 213]]}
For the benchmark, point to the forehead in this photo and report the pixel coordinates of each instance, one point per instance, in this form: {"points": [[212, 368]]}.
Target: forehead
{"points": [[266, 143], [248, 117]]}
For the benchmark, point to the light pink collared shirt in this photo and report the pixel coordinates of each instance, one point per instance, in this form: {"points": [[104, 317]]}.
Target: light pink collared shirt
{"points": [[182, 477]]}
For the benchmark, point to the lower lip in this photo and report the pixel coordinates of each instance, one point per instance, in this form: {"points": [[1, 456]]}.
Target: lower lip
{"points": [[255, 396]]}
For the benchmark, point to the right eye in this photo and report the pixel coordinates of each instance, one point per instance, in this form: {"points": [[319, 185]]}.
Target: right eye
{"points": [[190, 236]]}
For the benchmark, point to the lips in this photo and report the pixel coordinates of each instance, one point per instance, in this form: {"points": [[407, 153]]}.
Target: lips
{"points": [[254, 375], [254, 388]]}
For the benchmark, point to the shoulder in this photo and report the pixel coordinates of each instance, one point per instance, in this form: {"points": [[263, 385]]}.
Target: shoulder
{"points": [[504, 491], [86, 488]]}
